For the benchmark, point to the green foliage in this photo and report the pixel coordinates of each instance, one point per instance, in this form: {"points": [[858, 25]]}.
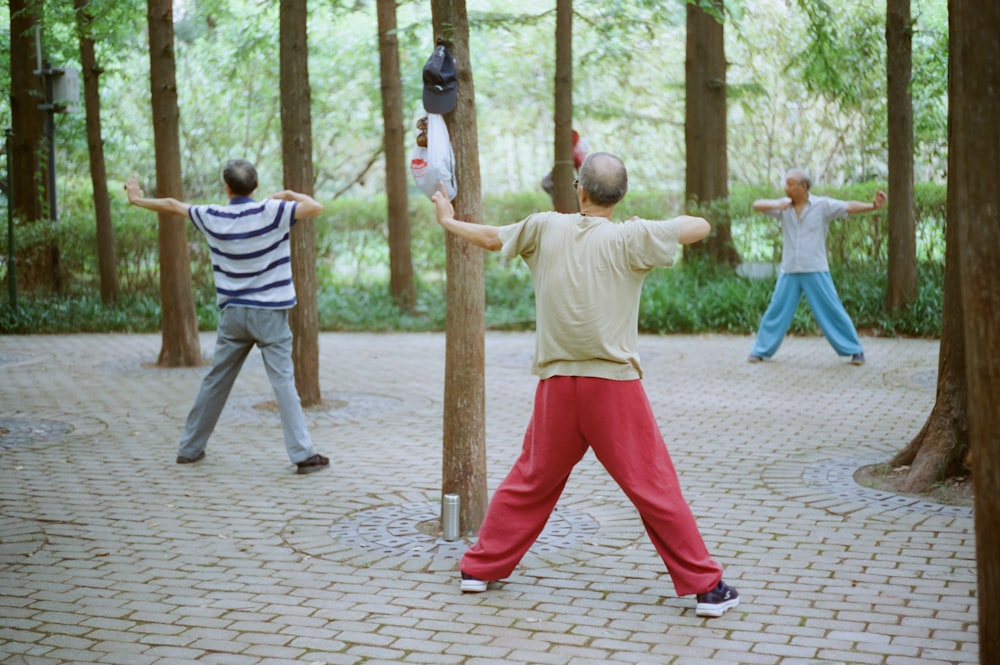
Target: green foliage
{"points": [[352, 253]]}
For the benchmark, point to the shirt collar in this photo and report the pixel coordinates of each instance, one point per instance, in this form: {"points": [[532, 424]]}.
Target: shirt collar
{"points": [[236, 200]]}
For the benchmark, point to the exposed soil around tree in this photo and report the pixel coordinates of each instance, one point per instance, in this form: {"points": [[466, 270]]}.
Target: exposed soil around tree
{"points": [[955, 491]]}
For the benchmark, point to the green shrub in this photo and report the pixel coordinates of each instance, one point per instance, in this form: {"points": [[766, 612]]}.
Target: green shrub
{"points": [[353, 275]]}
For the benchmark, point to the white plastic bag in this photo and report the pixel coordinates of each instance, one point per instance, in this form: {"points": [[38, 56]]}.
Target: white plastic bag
{"points": [[436, 162]]}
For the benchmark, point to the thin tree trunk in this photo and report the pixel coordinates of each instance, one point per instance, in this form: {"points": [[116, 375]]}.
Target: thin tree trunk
{"points": [[974, 206], [464, 437], [902, 277], [564, 195], [106, 258], [401, 285], [707, 165], [180, 326], [296, 151]]}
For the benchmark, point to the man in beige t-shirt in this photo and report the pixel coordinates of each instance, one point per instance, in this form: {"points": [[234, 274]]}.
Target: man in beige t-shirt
{"points": [[588, 272]]}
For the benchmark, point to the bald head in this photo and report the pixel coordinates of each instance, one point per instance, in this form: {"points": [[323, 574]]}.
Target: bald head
{"points": [[604, 178]]}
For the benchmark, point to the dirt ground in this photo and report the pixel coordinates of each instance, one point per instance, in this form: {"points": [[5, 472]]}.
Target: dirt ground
{"points": [[952, 492]]}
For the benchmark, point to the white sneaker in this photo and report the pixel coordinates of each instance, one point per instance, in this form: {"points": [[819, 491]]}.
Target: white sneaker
{"points": [[472, 584]]}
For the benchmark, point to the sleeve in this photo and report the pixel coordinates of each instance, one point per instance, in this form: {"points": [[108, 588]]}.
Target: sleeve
{"points": [[652, 243], [520, 239], [835, 209], [283, 212], [196, 215]]}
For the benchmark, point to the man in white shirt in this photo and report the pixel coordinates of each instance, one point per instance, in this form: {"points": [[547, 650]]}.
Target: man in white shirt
{"points": [[805, 220]]}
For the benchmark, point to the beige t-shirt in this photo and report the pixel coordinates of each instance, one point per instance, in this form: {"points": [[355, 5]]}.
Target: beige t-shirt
{"points": [[588, 274]]}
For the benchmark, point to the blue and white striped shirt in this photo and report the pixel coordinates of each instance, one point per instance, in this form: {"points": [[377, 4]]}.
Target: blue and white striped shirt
{"points": [[251, 251]]}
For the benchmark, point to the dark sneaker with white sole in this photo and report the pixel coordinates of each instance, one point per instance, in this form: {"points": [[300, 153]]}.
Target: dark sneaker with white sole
{"points": [[717, 601], [472, 584], [858, 359]]}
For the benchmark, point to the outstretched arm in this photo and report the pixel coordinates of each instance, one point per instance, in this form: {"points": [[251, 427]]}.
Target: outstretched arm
{"points": [[859, 206], [482, 235], [767, 205], [307, 207], [165, 205], [693, 229]]}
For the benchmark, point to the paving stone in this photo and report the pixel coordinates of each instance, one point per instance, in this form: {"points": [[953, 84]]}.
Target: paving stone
{"points": [[112, 553]]}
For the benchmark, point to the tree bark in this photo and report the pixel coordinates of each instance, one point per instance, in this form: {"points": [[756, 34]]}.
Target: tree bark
{"points": [[974, 207], [464, 436], [564, 194], [707, 167], [939, 449], [106, 259], [36, 264], [180, 326], [401, 285], [296, 152], [902, 275]]}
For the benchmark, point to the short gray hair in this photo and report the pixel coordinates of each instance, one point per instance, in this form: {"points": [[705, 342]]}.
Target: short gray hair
{"points": [[241, 176], [800, 175], [604, 177]]}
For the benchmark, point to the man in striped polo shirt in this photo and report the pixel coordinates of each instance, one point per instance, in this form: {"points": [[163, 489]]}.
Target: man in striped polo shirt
{"points": [[251, 258]]}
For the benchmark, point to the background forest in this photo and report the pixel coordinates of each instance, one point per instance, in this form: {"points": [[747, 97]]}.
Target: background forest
{"points": [[798, 95]]}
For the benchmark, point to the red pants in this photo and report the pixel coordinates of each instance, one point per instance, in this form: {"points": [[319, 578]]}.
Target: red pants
{"points": [[615, 419]]}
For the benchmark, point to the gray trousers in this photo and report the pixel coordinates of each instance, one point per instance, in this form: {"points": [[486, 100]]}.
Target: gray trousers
{"points": [[240, 328]]}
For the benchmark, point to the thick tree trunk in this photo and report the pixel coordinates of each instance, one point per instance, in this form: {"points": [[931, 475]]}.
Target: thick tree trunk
{"points": [[296, 152], [974, 206], [564, 195], [939, 450], [106, 259], [464, 437], [707, 166], [902, 278], [180, 326], [401, 285], [37, 265]]}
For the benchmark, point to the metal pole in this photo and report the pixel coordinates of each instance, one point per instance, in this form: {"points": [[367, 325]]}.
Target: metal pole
{"points": [[11, 268]]}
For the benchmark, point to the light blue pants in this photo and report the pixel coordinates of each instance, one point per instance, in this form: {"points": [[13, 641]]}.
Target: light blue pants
{"points": [[829, 312], [240, 328]]}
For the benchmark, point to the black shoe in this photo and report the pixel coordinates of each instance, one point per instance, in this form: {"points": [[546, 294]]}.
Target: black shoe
{"points": [[858, 359], [315, 463], [717, 601], [191, 460], [753, 358], [472, 584]]}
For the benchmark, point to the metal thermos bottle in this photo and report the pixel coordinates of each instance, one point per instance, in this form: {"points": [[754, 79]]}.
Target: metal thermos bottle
{"points": [[450, 508]]}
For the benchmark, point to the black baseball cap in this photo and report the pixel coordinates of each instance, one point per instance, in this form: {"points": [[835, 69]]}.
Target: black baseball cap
{"points": [[440, 82]]}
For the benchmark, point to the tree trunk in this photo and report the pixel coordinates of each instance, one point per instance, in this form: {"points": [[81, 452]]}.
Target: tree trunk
{"points": [[974, 207], [564, 194], [106, 259], [939, 450], [296, 153], [902, 278], [29, 179], [464, 437], [401, 285], [707, 168], [180, 326]]}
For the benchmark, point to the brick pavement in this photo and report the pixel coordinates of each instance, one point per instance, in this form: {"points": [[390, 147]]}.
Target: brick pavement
{"points": [[112, 553]]}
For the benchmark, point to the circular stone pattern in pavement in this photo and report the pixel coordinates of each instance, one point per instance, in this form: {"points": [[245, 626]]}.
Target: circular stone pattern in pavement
{"points": [[22, 432], [402, 530], [391, 533], [838, 477], [336, 408]]}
